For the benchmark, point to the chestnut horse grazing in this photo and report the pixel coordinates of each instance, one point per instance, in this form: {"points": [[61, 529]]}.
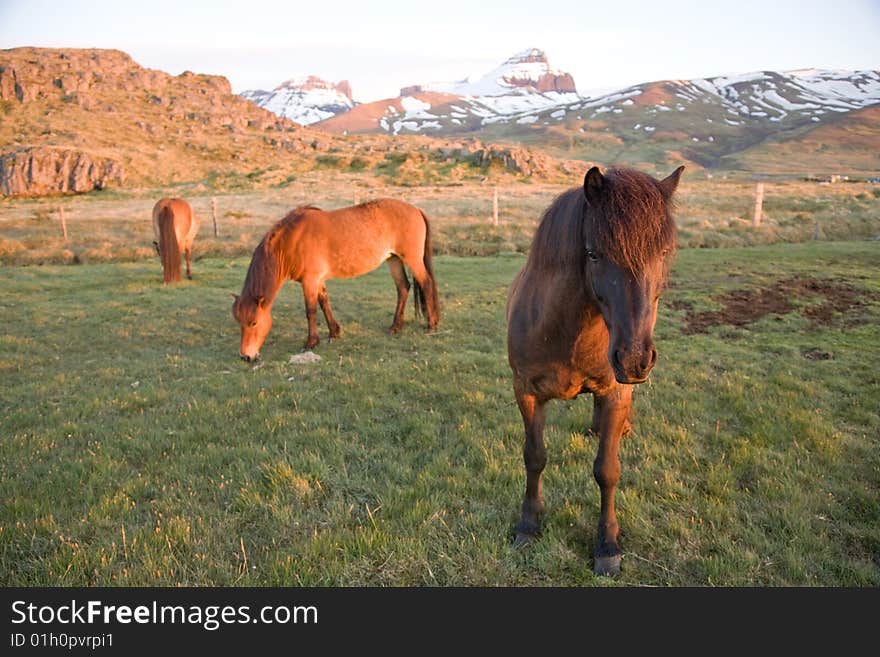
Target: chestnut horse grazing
{"points": [[311, 246], [175, 226], [580, 318]]}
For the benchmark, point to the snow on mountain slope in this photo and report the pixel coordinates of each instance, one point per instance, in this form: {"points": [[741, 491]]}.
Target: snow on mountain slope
{"points": [[772, 95], [526, 92], [304, 99], [528, 71], [759, 98]]}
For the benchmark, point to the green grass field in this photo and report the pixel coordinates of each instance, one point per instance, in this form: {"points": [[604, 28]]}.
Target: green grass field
{"points": [[137, 449]]}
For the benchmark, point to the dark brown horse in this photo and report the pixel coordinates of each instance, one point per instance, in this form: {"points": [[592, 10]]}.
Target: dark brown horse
{"points": [[311, 246], [175, 226], [580, 318]]}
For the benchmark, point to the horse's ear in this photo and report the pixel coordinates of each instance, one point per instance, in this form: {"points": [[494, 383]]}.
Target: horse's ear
{"points": [[261, 301], [234, 296], [593, 183], [669, 184]]}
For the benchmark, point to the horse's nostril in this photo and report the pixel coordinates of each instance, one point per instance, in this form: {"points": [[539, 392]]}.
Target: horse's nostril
{"points": [[653, 357]]}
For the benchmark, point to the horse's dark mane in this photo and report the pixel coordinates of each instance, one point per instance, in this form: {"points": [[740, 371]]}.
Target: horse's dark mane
{"points": [[263, 273], [629, 223]]}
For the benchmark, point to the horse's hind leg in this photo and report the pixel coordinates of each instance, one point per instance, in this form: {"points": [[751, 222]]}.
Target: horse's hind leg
{"points": [[332, 324], [426, 282], [613, 413], [401, 281], [535, 458], [188, 253]]}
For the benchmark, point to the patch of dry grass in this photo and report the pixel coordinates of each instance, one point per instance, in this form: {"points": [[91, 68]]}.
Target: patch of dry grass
{"points": [[115, 226]]}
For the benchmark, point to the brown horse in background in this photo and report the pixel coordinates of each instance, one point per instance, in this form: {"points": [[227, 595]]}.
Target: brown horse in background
{"points": [[175, 226], [580, 318], [311, 246]]}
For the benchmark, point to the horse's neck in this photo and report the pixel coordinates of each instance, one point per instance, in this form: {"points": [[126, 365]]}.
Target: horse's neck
{"points": [[566, 303]]}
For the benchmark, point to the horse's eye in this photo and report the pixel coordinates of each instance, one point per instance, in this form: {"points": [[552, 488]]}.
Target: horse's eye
{"points": [[592, 255], [252, 324]]}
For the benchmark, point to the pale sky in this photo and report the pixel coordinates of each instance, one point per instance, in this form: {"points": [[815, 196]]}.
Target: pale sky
{"points": [[382, 46]]}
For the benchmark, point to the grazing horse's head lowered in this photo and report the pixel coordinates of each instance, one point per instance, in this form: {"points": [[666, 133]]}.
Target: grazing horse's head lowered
{"points": [[254, 317], [629, 239]]}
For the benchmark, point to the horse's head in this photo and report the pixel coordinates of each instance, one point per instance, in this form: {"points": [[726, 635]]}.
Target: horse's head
{"points": [[255, 318], [629, 238]]}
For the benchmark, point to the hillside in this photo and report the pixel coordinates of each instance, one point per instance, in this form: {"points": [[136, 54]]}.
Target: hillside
{"points": [[850, 140], [76, 120], [711, 122]]}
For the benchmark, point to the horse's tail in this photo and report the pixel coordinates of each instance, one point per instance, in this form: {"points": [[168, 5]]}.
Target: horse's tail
{"points": [[429, 300], [169, 249]]}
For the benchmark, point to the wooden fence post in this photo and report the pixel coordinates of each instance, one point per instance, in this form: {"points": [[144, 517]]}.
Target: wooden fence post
{"points": [[759, 204], [63, 222], [214, 215], [495, 206]]}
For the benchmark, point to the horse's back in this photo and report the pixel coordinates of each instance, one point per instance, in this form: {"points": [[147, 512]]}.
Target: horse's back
{"points": [[355, 240], [385, 217]]}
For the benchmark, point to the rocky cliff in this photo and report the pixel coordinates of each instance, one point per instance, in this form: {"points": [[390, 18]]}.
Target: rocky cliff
{"points": [[44, 170], [78, 120]]}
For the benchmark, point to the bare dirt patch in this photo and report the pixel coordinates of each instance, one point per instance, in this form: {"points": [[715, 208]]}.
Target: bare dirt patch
{"points": [[742, 307]]}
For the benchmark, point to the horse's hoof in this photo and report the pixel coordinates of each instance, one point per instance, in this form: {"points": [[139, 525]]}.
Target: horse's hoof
{"points": [[394, 330], [522, 540], [607, 566]]}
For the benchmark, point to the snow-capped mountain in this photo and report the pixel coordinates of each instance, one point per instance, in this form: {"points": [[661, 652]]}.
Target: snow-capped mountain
{"points": [[305, 99], [528, 71], [524, 82], [761, 98], [707, 120]]}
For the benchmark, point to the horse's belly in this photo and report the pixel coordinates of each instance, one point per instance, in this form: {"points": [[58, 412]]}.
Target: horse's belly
{"points": [[357, 264]]}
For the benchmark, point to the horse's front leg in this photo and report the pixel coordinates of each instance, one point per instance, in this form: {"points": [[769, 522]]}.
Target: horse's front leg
{"points": [[332, 324], [535, 458], [612, 411], [310, 295], [593, 429]]}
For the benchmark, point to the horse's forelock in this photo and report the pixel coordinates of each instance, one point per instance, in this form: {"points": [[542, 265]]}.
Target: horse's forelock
{"points": [[630, 222]]}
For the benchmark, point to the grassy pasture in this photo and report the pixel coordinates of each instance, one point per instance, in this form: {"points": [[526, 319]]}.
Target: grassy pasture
{"points": [[136, 448]]}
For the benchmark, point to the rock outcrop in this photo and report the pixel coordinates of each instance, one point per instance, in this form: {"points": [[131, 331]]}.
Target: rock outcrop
{"points": [[43, 170], [513, 158], [530, 70]]}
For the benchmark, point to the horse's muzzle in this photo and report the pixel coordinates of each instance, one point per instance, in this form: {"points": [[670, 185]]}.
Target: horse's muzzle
{"points": [[250, 359], [633, 367]]}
